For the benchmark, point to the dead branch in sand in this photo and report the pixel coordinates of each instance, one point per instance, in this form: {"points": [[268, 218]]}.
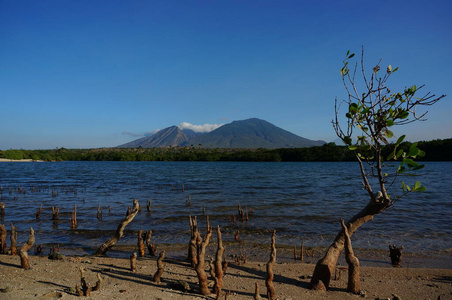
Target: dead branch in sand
{"points": [[352, 261], [160, 267], [24, 263], [396, 255], [119, 231], [195, 240], [271, 294], [2, 239], [13, 240], [140, 244], [152, 248], [84, 289], [133, 262], [256, 292], [218, 286], [200, 258], [73, 220]]}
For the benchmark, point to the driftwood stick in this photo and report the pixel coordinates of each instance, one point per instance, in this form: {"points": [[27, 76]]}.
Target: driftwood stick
{"points": [[100, 212], [55, 212], [271, 294], [140, 244], [160, 267], [38, 212], [73, 220], [133, 262], [2, 239], [119, 231], [24, 262], [256, 292], [396, 255], [13, 239], [84, 289], [352, 261], [302, 251]]}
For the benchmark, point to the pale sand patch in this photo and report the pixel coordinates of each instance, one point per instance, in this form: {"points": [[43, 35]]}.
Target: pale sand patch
{"points": [[50, 279]]}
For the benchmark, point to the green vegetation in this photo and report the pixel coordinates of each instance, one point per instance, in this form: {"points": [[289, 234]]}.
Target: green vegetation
{"points": [[436, 150]]}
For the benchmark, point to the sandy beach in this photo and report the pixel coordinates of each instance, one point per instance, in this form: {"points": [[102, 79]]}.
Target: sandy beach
{"points": [[56, 279]]}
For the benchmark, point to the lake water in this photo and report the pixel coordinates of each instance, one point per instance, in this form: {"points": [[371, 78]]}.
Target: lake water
{"points": [[302, 201]]}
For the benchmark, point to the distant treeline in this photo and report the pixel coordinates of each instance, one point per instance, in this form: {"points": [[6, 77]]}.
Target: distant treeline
{"points": [[436, 150]]}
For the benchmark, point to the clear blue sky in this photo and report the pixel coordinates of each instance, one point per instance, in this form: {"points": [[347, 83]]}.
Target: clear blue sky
{"points": [[88, 74]]}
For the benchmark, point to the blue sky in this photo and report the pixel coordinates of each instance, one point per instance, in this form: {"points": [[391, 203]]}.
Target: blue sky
{"points": [[88, 74]]}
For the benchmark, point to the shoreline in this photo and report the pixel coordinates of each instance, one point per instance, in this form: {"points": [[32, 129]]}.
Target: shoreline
{"points": [[19, 160], [56, 279], [260, 252]]}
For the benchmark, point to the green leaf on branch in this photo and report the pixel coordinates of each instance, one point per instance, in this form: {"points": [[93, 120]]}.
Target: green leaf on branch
{"points": [[389, 134], [418, 188], [400, 140], [414, 150]]}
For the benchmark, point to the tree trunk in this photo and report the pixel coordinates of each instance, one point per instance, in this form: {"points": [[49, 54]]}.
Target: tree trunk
{"points": [[13, 240], [219, 264], [140, 244], [200, 257], [160, 267], [2, 239], [325, 267], [119, 231], [24, 263], [352, 261]]}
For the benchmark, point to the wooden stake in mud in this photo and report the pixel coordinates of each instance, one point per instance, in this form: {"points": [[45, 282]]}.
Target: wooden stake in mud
{"points": [[55, 212], [73, 220], [38, 212], [160, 268], [24, 263], [13, 239], [256, 292], [302, 251], [140, 243], [119, 231], [271, 294], [2, 210], [396, 255], [152, 248], [133, 262], [2, 239], [84, 289], [352, 261], [99, 212]]}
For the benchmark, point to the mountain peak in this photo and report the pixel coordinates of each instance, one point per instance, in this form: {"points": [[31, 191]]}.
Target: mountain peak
{"points": [[249, 133]]}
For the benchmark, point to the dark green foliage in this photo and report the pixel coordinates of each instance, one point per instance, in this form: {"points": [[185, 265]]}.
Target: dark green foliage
{"points": [[436, 150]]}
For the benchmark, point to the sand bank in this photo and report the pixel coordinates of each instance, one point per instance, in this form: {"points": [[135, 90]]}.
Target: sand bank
{"points": [[55, 279]]}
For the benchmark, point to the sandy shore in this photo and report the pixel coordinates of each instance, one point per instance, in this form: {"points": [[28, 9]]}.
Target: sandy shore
{"points": [[56, 279], [19, 160]]}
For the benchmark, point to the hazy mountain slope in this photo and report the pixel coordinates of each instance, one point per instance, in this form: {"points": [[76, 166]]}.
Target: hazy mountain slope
{"points": [[250, 133], [171, 136]]}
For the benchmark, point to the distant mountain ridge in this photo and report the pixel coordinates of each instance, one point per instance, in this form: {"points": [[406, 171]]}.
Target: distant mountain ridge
{"points": [[251, 133]]}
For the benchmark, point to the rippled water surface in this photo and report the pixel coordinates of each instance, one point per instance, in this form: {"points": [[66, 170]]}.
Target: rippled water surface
{"points": [[302, 201]]}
